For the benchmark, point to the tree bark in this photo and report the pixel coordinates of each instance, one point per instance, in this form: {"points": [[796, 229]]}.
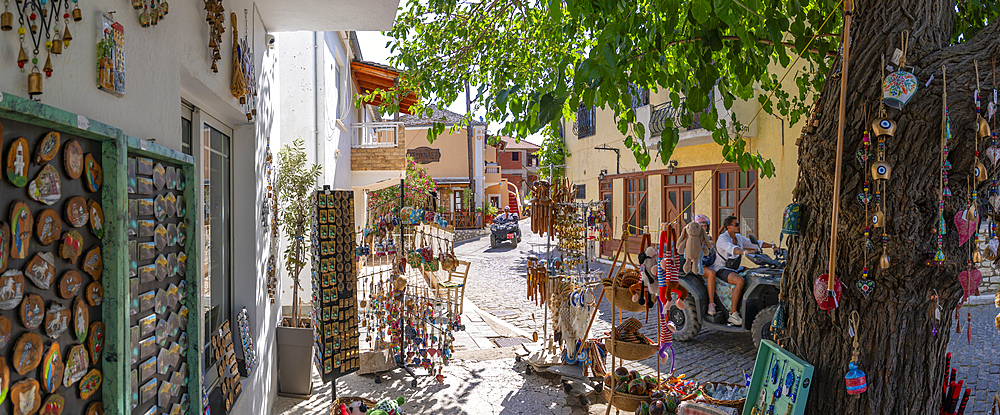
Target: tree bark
{"points": [[904, 362]]}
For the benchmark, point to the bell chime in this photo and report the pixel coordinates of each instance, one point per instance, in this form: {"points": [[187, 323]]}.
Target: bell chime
{"points": [[40, 18], [150, 11], [216, 18]]}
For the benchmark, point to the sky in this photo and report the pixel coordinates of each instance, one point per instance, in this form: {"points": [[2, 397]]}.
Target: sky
{"points": [[373, 49]]}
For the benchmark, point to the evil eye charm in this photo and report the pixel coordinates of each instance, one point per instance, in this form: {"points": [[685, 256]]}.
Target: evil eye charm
{"points": [[877, 219], [881, 170], [884, 126]]}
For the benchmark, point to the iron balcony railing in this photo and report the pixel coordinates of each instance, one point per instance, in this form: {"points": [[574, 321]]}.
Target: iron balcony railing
{"points": [[665, 116], [586, 120], [376, 134]]}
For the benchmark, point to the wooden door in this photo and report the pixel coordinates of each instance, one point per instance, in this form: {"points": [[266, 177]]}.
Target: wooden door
{"points": [[678, 200]]}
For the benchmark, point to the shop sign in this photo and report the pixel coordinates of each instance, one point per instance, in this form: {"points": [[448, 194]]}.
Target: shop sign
{"points": [[425, 155]]}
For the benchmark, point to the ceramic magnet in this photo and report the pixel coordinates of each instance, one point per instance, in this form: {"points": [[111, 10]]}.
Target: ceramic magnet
{"points": [[96, 219], [172, 264], [131, 175], [148, 368], [144, 166], [163, 362], [76, 365], [32, 311], [160, 207], [172, 235], [11, 289], [95, 294], [182, 315], [41, 270], [69, 284], [159, 176], [148, 391], [21, 224], [160, 237], [17, 162], [134, 335], [135, 388], [147, 325], [93, 175], [4, 246], [93, 264], [133, 284], [146, 228], [180, 179], [77, 213], [47, 186], [95, 341], [173, 324], [171, 204], [72, 246], [57, 320], [81, 319], [53, 405], [161, 332], [171, 177], [26, 397], [163, 396], [47, 148], [90, 383], [147, 347], [48, 226], [52, 369], [27, 352], [144, 185], [73, 159], [181, 234], [147, 273], [172, 296], [180, 207]]}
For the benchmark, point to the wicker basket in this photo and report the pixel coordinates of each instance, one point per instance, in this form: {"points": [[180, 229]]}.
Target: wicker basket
{"points": [[623, 300], [624, 401], [347, 400], [708, 398], [631, 351]]}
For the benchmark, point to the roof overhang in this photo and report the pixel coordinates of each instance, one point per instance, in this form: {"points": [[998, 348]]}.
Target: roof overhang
{"points": [[328, 15], [369, 77]]}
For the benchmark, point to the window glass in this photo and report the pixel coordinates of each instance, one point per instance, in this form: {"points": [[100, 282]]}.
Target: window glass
{"points": [[217, 282], [738, 196], [515, 156], [635, 189], [186, 136]]}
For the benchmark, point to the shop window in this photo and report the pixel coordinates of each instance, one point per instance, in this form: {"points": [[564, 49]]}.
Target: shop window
{"points": [[217, 236], [737, 195], [635, 202]]}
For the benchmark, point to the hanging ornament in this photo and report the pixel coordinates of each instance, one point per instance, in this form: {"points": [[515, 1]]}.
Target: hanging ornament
{"points": [[936, 311], [42, 19], [855, 378], [943, 162], [6, 18], [216, 18], [900, 86]]}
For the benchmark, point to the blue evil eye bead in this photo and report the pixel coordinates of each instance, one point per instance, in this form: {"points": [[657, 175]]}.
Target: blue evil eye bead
{"points": [[884, 123], [881, 170]]}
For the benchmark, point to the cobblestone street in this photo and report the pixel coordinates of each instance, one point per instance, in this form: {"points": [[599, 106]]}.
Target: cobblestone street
{"points": [[497, 284], [977, 363]]}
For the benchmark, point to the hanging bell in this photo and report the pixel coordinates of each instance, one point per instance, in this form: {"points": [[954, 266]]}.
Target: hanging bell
{"points": [[884, 261], [144, 19], [977, 257], [34, 28], [216, 55], [970, 213], [34, 82], [212, 44], [22, 58], [57, 45], [877, 219], [154, 17], [48, 66], [249, 117], [855, 379], [159, 11], [982, 127], [7, 21], [137, 4], [66, 37], [164, 8], [77, 14], [215, 68], [243, 100], [881, 170], [884, 126], [979, 171]]}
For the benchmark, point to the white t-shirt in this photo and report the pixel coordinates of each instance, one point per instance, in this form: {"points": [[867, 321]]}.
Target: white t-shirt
{"points": [[725, 249]]}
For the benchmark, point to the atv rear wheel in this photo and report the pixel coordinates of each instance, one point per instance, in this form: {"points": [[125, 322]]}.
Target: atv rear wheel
{"points": [[686, 320]]}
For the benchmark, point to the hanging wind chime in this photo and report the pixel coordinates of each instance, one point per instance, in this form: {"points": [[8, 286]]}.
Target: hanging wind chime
{"points": [[855, 378], [216, 18], [41, 20], [245, 53], [992, 196], [238, 86], [152, 11], [866, 285], [943, 190]]}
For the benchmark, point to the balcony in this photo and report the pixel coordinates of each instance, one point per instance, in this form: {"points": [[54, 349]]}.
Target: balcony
{"points": [[665, 116], [493, 173], [377, 146]]}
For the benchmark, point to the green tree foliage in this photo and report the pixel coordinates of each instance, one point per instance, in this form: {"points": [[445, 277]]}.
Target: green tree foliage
{"points": [[534, 62], [553, 152], [294, 187], [419, 186]]}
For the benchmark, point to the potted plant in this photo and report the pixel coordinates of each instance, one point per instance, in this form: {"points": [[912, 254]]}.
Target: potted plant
{"points": [[491, 211], [294, 187]]}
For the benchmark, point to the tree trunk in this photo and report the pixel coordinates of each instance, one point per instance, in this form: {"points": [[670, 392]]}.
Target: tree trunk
{"points": [[903, 360]]}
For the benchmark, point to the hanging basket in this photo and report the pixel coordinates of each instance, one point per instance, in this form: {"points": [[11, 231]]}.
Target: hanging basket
{"points": [[631, 351], [623, 300], [624, 401], [708, 398], [348, 400]]}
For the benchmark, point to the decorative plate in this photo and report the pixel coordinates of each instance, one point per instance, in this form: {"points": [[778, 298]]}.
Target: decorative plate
{"points": [[69, 284], [171, 178], [41, 270], [47, 186], [26, 397], [77, 213], [53, 405], [72, 246], [27, 352], [96, 219], [52, 369], [73, 159], [47, 148], [11, 289], [95, 341], [21, 224], [18, 158], [160, 207], [159, 176], [93, 263], [144, 166], [94, 176], [90, 383], [171, 205], [160, 237], [4, 246], [95, 294], [32, 311], [162, 267], [48, 226], [76, 364], [81, 319], [57, 320]]}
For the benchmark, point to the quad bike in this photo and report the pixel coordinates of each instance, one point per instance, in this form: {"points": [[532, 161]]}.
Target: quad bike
{"points": [[758, 303], [504, 231]]}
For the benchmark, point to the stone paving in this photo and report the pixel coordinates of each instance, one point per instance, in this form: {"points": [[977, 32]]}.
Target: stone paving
{"points": [[497, 284], [978, 364]]}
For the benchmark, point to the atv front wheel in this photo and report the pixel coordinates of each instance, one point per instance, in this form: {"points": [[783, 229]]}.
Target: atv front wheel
{"points": [[686, 320]]}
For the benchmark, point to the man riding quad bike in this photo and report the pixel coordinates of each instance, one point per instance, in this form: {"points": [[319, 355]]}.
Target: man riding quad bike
{"points": [[505, 229]]}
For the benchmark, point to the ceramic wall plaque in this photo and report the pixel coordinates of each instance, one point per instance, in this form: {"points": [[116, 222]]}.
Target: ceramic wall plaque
{"points": [[172, 296], [180, 180], [146, 207], [93, 175], [11, 289], [90, 383], [52, 369], [48, 226], [173, 324], [18, 157], [163, 362], [53, 405], [147, 325], [77, 212], [161, 302], [172, 235], [21, 228], [147, 347], [159, 176], [171, 204], [95, 294], [180, 207], [171, 178], [96, 219], [160, 207], [41, 270], [163, 396], [147, 273], [161, 332], [57, 320], [72, 246], [148, 391], [32, 311], [69, 284], [47, 186], [147, 369], [134, 355], [5, 328], [183, 315], [48, 148], [97, 408], [26, 397], [172, 264], [131, 175], [144, 185], [147, 301], [81, 319], [73, 159], [76, 364], [144, 166], [95, 341], [4, 379], [160, 237], [93, 264], [181, 264], [4, 246], [162, 267], [27, 352], [147, 228]]}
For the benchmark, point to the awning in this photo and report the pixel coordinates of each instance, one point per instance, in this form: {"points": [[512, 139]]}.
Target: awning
{"points": [[370, 76], [327, 15]]}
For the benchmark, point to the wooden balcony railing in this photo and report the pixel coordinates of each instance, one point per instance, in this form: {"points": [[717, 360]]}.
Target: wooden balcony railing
{"points": [[467, 220]]}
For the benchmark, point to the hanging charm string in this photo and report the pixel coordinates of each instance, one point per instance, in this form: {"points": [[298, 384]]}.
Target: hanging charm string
{"points": [[943, 177]]}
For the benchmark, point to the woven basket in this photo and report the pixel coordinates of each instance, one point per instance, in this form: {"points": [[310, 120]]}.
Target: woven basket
{"points": [[347, 400], [708, 398], [623, 300], [631, 351], [625, 402]]}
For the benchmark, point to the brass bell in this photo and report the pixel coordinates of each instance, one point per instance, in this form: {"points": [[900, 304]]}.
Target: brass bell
{"points": [[977, 257], [34, 28], [159, 11], [881, 170], [878, 219], [243, 100], [137, 4], [57, 45], [6, 21], [970, 213], [66, 37], [884, 126], [22, 58], [77, 14], [48, 66], [212, 44], [164, 7], [144, 19], [34, 82], [215, 69], [979, 171], [249, 117], [884, 261], [216, 55], [982, 127], [154, 17]]}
